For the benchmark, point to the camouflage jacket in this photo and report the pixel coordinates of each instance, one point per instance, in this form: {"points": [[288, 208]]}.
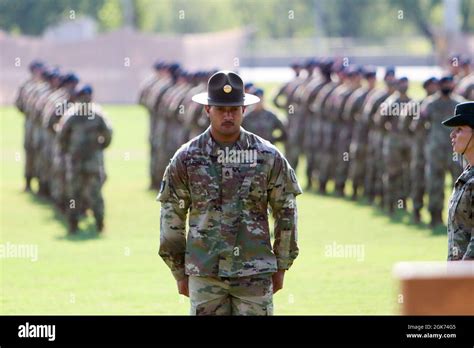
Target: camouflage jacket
{"points": [[227, 199], [83, 133], [264, 123], [460, 218], [434, 110]]}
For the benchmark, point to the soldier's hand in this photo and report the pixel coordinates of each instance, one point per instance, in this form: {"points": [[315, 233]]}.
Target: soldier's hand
{"points": [[277, 279], [183, 286]]}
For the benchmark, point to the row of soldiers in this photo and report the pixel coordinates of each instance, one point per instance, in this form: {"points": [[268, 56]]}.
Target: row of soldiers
{"points": [[174, 118], [387, 144], [64, 137]]}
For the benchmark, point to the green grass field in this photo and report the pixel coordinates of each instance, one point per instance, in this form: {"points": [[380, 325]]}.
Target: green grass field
{"points": [[120, 271]]}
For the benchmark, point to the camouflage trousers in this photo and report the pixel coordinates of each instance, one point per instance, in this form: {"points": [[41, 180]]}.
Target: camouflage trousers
{"points": [[375, 165], [417, 173], [312, 144], [85, 191], [358, 154], [252, 295], [58, 176], [328, 152], [295, 142], [29, 151], [396, 178], [342, 155]]}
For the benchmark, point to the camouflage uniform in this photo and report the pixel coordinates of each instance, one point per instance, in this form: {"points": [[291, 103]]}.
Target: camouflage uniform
{"points": [[396, 151], [151, 98], [438, 151], [374, 156], [228, 237], [312, 135], [354, 99], [332, 110], [250, 295], [460, 219], [84, 133], [20, 103], [418, 163], [358, 141], [36, 127], [292, 151], [323, 140], [49, 117], [158, 129], [57, 165], [170, 132], [264, 123]]}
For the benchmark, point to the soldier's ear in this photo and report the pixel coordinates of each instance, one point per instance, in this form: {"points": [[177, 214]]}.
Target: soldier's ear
{"points": [[243, 109], [207, 108]]}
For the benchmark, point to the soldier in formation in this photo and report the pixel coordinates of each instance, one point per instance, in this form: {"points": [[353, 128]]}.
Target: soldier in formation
{"points": [[390, 147], [52, 141]]}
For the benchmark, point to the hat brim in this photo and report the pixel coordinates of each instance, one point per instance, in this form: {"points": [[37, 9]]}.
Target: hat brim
{"points": [[202, 98], [459, 120]]}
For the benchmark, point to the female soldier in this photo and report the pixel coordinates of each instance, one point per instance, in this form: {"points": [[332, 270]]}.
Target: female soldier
{"points": [[461, 204]]}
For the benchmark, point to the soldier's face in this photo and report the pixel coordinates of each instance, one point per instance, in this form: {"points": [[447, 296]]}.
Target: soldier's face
{"points": [[460, 137], [225, 120]]}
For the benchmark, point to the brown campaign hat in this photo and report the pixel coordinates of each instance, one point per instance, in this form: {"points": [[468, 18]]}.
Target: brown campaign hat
{"points": [[225, 88]]}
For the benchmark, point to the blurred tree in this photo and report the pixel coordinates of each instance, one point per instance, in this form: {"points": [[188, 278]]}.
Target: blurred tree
{"points": [[272, 18], [110, 15]]}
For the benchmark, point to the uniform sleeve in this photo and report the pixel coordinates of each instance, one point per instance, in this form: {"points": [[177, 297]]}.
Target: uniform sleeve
{"points": [[282, 191], [469, 255], [106, 131], [64, 133], [175, 200], [278, 125]]}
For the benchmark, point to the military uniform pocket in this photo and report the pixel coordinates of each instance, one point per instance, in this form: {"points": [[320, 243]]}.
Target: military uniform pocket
{"points": [[202, 186]]}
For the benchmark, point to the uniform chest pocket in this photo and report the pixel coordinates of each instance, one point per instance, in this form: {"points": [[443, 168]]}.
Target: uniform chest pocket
{"points": [[257, 194], [203, 186]]}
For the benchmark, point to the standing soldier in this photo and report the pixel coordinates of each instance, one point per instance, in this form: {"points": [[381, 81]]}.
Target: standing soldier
{"points": [[36, 70], [396, 151], [39, 133], [312, 134], [158, 123], [319, 109], [344, 125], [175, 134], [161, 133], [331, 110], [263, 122], [418, 160], [287, 91], [460, 219], [297, 117], [374, 159], [226, 264], [353, 115], [56, 108], [438, 157], [84, 134]]}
